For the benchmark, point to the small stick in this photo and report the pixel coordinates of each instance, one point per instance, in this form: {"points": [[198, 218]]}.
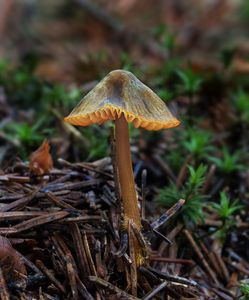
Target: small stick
{"points": [[71, 186], [217, 252], [18, 204], [60, 203], [183, 172], [143, 187], [80, 166], [50, 275], [165, 167], [144, 284], [72, 277], [29, 263], [222, 295], [108, 285], [84, 219], [172, 278], [19, 215], [222, 266], [214, 223], [237, 266], [83, 290], [172, 260], [14, 178], [200, 255], [8, 198], [216, 187], [155, 291], [41, 220], [212, 259], [88, 255], [171, 235], [133, 267], [80, 250], [123, 245], [100, 265], [69, 176], [66, 255], [209, 177], [7, 230], [152, 278], [163, 237], [167, 215], [127, 276], [109, 194], [235, 256], [233, 283]]}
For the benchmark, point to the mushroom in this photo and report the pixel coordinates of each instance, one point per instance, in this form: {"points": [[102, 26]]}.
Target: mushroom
{"points": [[121, 97]]}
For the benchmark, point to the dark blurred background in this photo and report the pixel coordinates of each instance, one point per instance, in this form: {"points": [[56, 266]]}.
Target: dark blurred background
{"points": [[72, 40], [194, 54]]}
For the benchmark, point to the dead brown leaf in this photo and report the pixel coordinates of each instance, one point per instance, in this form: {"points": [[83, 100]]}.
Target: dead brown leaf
{"points": [[41, 160]]}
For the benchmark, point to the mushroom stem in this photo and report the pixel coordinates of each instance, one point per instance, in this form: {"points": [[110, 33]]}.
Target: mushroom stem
{"points": [[125, 172], [126, 180]]}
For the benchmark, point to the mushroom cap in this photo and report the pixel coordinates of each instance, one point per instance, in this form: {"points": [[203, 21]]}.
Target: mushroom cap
{"points": [[121, 92]]}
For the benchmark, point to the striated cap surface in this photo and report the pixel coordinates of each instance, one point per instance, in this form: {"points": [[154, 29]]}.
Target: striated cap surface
{"points": [[121, 92]]}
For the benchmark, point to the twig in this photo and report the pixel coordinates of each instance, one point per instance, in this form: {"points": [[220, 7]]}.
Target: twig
{"points": [[167, 215], [209, 177], [171, 260], [14, 178], [163, 237], [183, 171], [18, 204], [70, 266], [152, 278], [222, 295], [71, 186], [84, 166], [50, 275], [201, 257], [172, 234], [237, 266], [88, 255], [20, 215], [80, 250], [29, 263], [172, 278], [83, 290], [60, 203], [133, 266], [41, 220], [120, 293], [165, 167], [155, 291], [143, 187], [123, 245]]}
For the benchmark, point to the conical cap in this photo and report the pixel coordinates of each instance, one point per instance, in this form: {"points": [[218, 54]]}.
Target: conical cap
{"points": [[121, 92]]}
